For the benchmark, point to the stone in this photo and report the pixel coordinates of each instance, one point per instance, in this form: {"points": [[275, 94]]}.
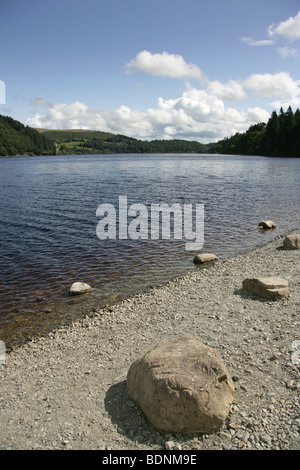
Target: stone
{"points": [[272, 288], [267, 224], [169, 445], [182, 386], [78, 288], [292, 242], [296, 352], [204, 258]]}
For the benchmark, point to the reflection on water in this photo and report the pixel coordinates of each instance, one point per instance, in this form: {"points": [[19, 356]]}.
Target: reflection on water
{"points": [[48, 225]]}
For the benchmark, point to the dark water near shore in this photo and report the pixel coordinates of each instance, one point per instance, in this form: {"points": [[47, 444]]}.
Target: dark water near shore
{"points": [[48, 225]]}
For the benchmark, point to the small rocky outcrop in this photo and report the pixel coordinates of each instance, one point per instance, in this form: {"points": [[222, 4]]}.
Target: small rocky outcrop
{"points": [[204, 258], [182, 386], [79, 288], [267, 224], [292, 242], [272, 288]]}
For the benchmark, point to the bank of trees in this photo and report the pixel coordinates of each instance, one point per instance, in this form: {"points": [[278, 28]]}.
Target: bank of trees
{"points": [[17, 139], [123, 144], [279, 137]]}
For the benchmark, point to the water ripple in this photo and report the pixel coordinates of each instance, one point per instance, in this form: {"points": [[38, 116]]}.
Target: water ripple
{"points": [[48, 224]]}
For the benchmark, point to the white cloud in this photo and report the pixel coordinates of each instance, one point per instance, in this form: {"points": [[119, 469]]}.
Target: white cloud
{"points": [[253, 42], [257, 114], [195, 115], [294, 103], [287, 52], [75, 115], [290, 28], [233, 90], [164, 65], [277, 85]]}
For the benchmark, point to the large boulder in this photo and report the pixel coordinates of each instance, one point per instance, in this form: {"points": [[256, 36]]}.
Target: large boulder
{"points": [[182, 386], [292, 242], [78, 288], [204, 258], [272, 288]]}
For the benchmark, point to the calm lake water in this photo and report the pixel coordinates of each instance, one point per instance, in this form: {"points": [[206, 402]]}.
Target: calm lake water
{"points": [[48, 225]]}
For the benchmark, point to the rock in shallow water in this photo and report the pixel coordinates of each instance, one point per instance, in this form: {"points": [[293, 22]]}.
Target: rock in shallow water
{"points": [[204, 258], [267, 224], [79, 288], [182, 386]]}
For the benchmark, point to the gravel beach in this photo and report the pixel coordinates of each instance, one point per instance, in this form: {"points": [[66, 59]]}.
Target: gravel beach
{"points": [[67, 390]]}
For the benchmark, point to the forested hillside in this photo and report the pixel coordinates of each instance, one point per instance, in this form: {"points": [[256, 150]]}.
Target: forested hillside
{"points": [[17, 139], [92, 142], [280, 137]]}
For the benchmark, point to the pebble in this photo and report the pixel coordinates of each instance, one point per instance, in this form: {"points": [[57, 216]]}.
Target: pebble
{"points": [[67, 389]]}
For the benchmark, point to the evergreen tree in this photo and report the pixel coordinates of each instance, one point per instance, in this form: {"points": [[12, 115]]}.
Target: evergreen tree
{"points": [[279, 137]]}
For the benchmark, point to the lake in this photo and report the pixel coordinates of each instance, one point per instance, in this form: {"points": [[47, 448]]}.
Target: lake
{"points": [[48, 226]]}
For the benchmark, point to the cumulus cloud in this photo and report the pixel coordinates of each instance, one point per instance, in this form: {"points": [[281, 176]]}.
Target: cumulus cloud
{"points": [[233, 90], [75, 115], [277, 85], [289, 28], [257, 114], [164, 65], [195, 115]]}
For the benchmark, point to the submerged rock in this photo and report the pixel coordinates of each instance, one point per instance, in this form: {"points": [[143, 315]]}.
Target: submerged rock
{"points": [[272, 288], [182, 386], [79, 288]]}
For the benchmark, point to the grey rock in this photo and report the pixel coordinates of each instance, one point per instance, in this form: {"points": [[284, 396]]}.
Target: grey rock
{"points": [[204, 258], [78, 288]]}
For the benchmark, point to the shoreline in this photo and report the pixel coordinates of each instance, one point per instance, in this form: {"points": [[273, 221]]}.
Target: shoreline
{"points": [[76, 396], [21, 331]]}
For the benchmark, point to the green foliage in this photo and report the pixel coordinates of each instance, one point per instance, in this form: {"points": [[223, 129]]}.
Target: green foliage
{"points": [[280, 137], [17, 139], [74, 135], [91, 142]]}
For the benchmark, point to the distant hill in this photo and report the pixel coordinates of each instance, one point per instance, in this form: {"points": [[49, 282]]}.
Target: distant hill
{"points": [[78, 141], [17, 139]]}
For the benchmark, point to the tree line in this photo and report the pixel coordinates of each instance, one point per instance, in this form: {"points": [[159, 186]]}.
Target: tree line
{"points": [[124, 144], [17, 139], [279, 137]]}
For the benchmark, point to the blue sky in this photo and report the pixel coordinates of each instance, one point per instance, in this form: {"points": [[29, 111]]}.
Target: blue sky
{"points": [[192, 69]]}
